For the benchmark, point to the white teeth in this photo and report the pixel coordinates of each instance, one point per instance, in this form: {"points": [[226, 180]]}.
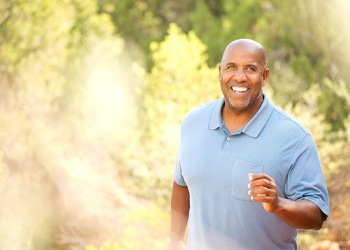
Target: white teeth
{"points": [[239, 89]]}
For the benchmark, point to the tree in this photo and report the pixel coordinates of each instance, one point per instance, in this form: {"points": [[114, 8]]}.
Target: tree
{"points": [[57, 182], [335, 158], [179, 80]]}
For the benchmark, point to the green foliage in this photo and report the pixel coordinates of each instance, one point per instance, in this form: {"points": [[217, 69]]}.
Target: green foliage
{"points": [[179, 80], [334, 103], [139, 22], [206, 25], [300, 57], [236, 22], [145, 228], [229, 22], [335, 158], [47, 129], [68, 85]]}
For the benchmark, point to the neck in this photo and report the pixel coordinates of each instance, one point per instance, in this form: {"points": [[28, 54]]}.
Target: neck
{"points": [[234, 119]]}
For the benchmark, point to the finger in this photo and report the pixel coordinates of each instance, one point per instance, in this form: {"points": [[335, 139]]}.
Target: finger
{"points": [[258, 190], [262, 191], [262, 183], [262, 199], [253, 177]]}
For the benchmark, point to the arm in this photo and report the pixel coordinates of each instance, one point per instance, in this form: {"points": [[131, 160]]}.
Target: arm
{"points": [[180, 206], [302, 214]]}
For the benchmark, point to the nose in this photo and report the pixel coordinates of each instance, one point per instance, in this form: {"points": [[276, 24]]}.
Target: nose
{"points": [[240, 75]]}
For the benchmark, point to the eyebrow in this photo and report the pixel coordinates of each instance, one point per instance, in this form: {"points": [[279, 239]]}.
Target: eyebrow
{"points": [[252, 65], [246, 65]]}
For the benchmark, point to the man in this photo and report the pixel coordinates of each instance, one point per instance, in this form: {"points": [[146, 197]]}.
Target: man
{"points": [[247, 175]]}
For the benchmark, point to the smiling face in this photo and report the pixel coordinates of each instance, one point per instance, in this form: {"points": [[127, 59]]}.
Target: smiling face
{"points": [[242, 74]]}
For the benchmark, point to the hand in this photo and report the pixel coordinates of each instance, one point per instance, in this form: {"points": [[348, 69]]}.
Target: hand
{"points": [[262, 188]]}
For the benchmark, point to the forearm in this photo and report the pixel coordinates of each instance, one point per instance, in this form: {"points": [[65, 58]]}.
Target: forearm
{"points": [[178, 225], [177, 230], [302, 214], [180, 206]]}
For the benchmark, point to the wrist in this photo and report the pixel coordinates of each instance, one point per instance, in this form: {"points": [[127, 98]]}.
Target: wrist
{"points": [[177, 245], [279, 206]]}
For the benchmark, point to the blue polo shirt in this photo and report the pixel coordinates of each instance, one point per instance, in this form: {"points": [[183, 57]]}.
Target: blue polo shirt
{"points": [[214, 165]]}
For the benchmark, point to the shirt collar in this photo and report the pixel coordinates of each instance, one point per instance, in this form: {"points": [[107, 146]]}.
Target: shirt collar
{"points": [[253, 127], [216, 117]]}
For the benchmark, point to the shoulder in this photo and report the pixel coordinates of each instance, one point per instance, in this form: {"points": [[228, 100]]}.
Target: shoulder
{"points": [[201, 113], [285, 121]]}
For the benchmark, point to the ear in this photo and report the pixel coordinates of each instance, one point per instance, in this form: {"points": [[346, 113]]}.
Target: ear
{"points": [[265, 75], [219, 68]]}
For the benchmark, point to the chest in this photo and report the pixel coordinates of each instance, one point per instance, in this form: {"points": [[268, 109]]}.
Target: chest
{"points": [[215, 160]]}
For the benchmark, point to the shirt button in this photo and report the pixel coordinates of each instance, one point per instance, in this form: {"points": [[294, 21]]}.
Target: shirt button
{"points": [[228, 138]]}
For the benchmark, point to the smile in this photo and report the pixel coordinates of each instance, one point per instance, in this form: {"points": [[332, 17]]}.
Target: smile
{"points": [[239, 89]]}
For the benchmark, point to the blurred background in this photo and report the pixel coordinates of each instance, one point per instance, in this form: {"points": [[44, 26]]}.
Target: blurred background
{"points": [[92, 94]]}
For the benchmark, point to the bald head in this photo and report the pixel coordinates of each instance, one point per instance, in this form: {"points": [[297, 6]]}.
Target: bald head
{"points": [[242, 75], [249, 46]]}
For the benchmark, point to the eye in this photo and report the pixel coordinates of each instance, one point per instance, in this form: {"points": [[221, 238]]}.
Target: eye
{"points": [[231, 67], [251, 69]]}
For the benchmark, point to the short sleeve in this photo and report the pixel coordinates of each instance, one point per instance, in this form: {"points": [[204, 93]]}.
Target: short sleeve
{"points": [[305, 179], [178, 178]]}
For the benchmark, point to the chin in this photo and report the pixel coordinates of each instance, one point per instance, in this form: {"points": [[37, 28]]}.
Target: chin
{"points": [[238, 105]]}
